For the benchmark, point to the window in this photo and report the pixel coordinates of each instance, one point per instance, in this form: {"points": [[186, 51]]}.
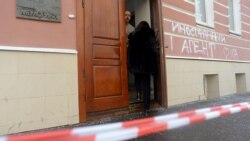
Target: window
{"points": [[204, 10], [234, 16]]}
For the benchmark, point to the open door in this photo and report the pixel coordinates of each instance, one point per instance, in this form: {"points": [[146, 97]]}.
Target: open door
{"points": [[105, 55]]}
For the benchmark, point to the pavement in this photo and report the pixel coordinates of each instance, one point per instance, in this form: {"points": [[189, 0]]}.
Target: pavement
{"points": [[234, 127]]}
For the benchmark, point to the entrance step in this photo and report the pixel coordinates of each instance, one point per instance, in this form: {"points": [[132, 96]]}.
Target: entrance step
{"points": [[132, 108]]}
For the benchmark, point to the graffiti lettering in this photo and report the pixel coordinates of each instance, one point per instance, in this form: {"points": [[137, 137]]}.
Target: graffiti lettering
{"points": [[197, 47], [231, 53], [197, 32]]}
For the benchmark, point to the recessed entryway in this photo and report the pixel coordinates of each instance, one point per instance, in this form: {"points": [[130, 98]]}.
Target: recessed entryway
{"points": [[211, 86], [240, 82], [145, 10], [140, 11]]}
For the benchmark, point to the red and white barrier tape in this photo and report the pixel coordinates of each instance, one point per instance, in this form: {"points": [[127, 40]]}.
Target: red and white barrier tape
{"points": [[145, 129], [114, 126], [134, 127]]}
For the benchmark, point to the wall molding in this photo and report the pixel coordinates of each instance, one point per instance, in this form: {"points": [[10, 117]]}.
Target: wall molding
{"points": [[34, 49], [177, 9], [204, 59]]}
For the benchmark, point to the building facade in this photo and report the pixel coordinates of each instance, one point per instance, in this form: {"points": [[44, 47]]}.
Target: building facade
{"points": [[207, 48], [58, 73], [38, 71]]}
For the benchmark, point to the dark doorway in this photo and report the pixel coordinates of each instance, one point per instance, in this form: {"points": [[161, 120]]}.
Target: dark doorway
{"points": [[148, 10]]}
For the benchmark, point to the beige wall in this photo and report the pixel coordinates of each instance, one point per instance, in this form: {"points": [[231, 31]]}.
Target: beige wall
{"points": [[185, 78], [32, 33], [37, 90], [142, 11]]}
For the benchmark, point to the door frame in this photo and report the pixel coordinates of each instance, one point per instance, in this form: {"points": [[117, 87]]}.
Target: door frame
{"points": [[157, 20], [80, 36]]}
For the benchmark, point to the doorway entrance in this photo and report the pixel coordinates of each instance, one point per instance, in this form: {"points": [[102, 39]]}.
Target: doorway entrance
{"points": [[147, 10], [140, 11], [103, 80]]}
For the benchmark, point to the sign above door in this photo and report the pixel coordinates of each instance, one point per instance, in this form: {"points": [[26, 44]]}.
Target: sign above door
{"points": [[44, 10]]}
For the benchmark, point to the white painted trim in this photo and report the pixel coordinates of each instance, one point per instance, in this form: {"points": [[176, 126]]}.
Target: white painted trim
{"points": [[200, 23], [221, 4], [219, 13], [245, 31], [245, 15], [33, 49], [245, 23], [178, 9], [234, 33], [225, 25], [209, 14], [205, 59], [190, 2]]}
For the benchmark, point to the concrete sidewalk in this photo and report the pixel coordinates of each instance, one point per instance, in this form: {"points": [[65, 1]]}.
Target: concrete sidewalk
{"points": [[235, 98], [234, 127]]}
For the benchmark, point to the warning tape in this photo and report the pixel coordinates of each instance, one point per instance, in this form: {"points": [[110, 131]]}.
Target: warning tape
{"points": [[135, 128], [114, 126], [146, 129]]}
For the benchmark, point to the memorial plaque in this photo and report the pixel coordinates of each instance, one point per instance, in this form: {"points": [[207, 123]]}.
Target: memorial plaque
{"points": [[46, 10]]}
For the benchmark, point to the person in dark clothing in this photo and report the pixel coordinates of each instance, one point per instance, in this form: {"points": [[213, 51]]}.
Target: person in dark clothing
{"points": [[142, 59]]}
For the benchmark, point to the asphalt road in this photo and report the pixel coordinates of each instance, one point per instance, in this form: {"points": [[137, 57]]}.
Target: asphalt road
{"points": [[234, 127]]}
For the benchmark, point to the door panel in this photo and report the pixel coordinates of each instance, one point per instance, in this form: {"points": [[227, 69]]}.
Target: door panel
{"points": [[106, 19], [108, 52], [102, 75], [105, 51]]}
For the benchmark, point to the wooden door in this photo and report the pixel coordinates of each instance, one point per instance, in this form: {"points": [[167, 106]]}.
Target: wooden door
{"points": [[105, 52]]}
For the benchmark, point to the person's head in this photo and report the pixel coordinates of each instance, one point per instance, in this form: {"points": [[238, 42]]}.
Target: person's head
{"points": [[142, 24], [127, 16]]}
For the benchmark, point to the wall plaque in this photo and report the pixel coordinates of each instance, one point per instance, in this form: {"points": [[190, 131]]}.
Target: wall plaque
{"points": [[45, 10]]}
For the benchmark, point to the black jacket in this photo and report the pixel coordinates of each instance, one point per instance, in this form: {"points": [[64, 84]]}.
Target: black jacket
{"points": [[142, 51]]}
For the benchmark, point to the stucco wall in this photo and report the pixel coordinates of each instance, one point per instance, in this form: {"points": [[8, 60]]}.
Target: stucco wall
{"points": [[31, 33], [37, 90], [185, 78], [198, 55]]}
